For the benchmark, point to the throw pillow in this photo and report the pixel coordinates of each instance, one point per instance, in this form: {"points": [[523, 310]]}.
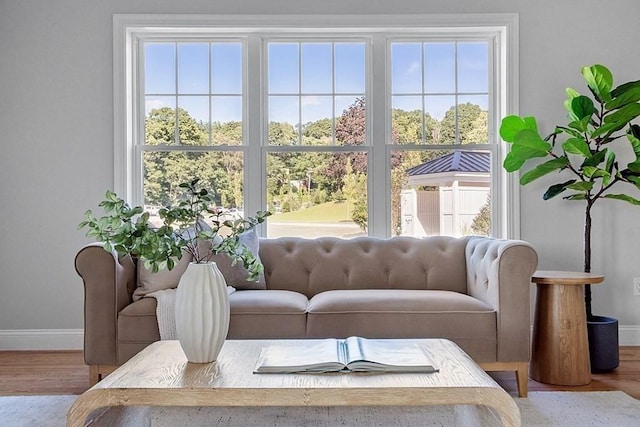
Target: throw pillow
{"points": [[236, 275], [148, 281]]}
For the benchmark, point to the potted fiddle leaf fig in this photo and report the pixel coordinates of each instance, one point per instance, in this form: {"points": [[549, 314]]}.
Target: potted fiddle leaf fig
{"points": [[194, 227], [583, 155]]}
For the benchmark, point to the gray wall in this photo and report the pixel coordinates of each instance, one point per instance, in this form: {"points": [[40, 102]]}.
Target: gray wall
{"points": [[56, 131]]}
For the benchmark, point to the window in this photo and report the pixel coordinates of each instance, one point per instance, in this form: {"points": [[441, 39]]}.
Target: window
{"points": [[310, 85], [192, 103], [339, 129], [440, 96], [314, 89]]}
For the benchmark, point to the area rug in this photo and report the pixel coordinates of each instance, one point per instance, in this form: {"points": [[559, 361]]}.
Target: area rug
{"points": [[548, 409]]}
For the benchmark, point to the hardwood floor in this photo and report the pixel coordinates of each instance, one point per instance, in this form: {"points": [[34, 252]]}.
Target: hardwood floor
{"points": [[42, 372], [625, 378], [64, 372]]}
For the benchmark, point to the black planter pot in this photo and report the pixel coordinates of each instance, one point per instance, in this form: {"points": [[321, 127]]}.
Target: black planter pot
{"points": [[603, 343]]}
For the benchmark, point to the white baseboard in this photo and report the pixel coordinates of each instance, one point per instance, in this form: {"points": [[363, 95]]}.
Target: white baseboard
{"points": [[73, 339], [42, 339], [629, 334]]}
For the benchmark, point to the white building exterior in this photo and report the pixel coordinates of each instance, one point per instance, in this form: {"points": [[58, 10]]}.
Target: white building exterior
{"points": [[444, 195]]}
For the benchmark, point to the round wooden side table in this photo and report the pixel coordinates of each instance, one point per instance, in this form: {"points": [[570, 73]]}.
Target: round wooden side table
{"points": [[560, 347]]}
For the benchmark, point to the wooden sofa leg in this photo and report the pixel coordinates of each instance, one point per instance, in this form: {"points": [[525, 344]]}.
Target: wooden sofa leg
{"points": [[522, 378], [521, 370], [98, 372], [94, 375]]}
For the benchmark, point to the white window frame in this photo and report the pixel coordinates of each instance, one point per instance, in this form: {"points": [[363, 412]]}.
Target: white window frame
{"points": [[129, 30]]}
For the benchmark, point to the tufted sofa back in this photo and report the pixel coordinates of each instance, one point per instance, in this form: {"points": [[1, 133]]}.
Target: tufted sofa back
{"points": [[311, 266]]}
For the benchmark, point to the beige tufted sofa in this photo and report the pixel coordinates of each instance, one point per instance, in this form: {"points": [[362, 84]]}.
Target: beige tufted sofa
{"points": [[472, 290]]}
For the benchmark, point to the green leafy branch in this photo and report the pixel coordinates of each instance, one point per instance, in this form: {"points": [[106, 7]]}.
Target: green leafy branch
{"points": [[127, 231]]}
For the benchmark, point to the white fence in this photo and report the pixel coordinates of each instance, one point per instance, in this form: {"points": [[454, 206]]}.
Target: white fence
{"points": [[446, 211]]}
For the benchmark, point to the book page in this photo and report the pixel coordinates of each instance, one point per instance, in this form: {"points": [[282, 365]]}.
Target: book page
{"points": [[353, 349], [308, 356], [386, 355]]}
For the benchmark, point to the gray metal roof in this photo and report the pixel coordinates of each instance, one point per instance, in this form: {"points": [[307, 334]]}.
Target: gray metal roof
{"points": [[457, 161]]}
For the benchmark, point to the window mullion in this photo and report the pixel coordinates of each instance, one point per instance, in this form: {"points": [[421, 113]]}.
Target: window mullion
{"points": [[300, 93], [378, 136], [134, 191], [253, 127], [456, 133], [423, 93], [210, 94], [333, 93], [176, 135]]}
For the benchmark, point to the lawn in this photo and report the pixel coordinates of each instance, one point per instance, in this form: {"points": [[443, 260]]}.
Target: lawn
{"points": [[326, 212]]}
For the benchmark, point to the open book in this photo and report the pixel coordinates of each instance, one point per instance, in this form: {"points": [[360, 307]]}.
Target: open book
{"points": [[354, 354]]}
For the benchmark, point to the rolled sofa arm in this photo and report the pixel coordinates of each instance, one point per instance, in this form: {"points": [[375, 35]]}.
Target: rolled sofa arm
{"points": [[109, 283], [499, 274]]}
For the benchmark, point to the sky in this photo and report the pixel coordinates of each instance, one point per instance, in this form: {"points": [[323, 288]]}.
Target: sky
{"points": [[310, 81]]}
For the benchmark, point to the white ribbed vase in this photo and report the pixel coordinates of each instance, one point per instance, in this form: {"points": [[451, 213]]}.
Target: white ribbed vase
{"points": [[202, 312]]}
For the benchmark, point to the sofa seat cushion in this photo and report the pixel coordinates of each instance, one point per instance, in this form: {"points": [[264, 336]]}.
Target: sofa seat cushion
{"points": [[137, 328], [254, 314], [267, 314], [399, 313]]}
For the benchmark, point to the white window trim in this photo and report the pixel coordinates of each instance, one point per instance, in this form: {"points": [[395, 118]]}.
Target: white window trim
{"points": [[128, 28]]}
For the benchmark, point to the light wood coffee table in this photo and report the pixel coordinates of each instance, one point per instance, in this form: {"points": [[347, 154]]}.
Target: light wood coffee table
{"points": [[161, 376]]}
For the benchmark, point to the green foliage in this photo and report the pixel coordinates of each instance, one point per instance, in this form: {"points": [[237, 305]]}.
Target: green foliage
{"points": [[582, 149], [543, 169], [229, 133], [585, 153], [282, 134], [318, 132], [481, 224], [221, 172], [355, 190], [194, 225], [323, 173], [466, 116], [408, 125], [160, 127], [599, 80]]}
